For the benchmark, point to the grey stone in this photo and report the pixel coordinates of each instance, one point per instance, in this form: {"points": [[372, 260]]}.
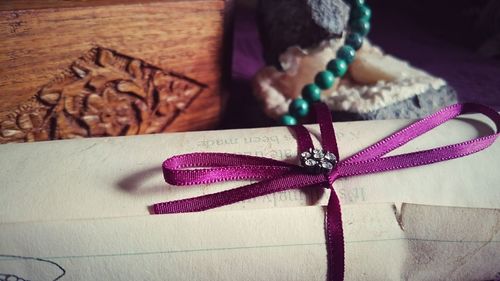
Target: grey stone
{"points": [[416, 107], [285, 23]]}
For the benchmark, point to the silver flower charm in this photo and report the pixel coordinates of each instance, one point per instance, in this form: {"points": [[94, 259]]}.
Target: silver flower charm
{"points": [[318, 161]]}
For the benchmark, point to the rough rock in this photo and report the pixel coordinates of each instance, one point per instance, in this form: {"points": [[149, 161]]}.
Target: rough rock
{"points": [[416, 107], [285, 23]]}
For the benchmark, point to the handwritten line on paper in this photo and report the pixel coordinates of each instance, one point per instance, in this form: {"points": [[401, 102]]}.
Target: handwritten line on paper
{"points": [[57, 271], [47, 259]]}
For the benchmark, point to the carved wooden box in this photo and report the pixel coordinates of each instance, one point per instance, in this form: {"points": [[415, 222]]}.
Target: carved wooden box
{"points": [[71, 69]]}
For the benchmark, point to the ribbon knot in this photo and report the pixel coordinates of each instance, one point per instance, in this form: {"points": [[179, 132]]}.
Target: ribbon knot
{"points": [[274, 176]]}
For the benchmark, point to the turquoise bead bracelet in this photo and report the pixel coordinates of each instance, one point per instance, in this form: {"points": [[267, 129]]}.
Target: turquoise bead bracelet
{"points": [[359, 26]]}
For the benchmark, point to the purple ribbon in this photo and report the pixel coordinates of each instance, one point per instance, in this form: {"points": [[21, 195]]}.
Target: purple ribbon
{"points": [[275, 176]]}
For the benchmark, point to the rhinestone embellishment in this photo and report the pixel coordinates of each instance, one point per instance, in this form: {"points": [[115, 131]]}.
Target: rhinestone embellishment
{"points": [[318, 161]]}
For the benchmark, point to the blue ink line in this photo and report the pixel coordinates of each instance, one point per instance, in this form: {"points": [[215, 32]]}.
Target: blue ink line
{"points": [[255, 247]]}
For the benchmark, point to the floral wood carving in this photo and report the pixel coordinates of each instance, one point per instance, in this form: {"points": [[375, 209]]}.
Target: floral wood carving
{"points": [[104, 93]]}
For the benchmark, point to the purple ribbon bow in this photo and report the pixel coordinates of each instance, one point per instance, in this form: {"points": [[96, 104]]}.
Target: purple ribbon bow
{"points": [[275, 176]]}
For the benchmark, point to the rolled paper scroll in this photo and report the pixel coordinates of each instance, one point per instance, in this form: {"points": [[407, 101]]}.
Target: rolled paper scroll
{"points": [[275, 176]]}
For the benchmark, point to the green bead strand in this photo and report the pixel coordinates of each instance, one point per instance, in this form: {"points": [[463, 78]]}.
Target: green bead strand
{"points": [[337, 66], [361, 26], [288, 120], [311, 93], [355, 40], [299, 108], [361, 13], [324, 79], [356, 3], [347, 53]]}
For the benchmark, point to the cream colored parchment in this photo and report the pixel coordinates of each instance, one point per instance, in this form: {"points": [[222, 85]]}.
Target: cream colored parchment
{"points": [[116, 177], [77, 210], [420, 243]]}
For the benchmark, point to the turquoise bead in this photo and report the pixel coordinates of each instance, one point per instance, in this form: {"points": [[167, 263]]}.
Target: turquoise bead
{"points": [[361, 26], [324, 79], [357, 3], [355, 40], [337, 66], [288, 120], [299, 108], [311, 93], [362, 12], [347, 53]]}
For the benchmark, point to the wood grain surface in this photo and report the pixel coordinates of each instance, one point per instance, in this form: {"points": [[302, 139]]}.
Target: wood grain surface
{"points": [[63, 61]]}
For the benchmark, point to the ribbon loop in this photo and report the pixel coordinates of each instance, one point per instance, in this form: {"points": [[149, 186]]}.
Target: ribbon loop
{"points": [[227, 197], [204, 168], [370, 160], [421, 127]]}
